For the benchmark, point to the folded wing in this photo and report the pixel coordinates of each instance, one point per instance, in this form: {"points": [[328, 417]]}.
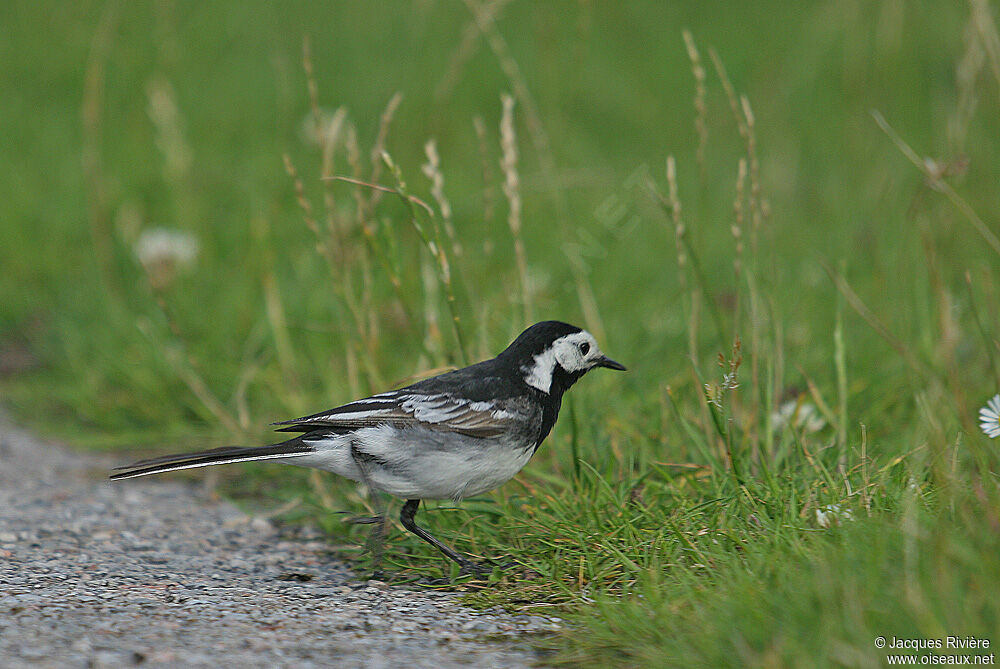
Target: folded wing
{"points": [[409, 409]]}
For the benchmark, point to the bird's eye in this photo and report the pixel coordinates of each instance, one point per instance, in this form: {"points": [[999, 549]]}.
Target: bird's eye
{"points": [[585, 348]]}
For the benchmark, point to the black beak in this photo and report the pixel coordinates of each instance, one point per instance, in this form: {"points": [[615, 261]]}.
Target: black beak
{"points": [[605, 361]]}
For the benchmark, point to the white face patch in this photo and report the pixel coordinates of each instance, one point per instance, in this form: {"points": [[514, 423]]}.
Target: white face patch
{"points": [[575, 352]]}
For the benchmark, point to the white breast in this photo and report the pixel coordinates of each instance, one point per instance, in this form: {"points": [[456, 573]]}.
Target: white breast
{"points": [[421, 463]]}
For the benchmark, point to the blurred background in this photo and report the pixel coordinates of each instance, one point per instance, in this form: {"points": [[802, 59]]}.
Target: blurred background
{"points": [[817, 179], [127, 117]]}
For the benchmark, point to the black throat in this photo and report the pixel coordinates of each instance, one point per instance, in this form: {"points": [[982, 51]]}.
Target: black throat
{"points": [[552, 401]]}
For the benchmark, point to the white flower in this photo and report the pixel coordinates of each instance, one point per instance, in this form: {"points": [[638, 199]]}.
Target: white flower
{"points": [[832, 514], [989, 417], [163, 251], [158, 245], [803, 416]]}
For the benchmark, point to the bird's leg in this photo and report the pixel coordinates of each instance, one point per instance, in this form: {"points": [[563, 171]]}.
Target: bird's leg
{"points": [[376, 537], [406, 517]]}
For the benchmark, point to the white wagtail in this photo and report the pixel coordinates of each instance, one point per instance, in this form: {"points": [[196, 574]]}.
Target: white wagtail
{"points": [[451, 436]]}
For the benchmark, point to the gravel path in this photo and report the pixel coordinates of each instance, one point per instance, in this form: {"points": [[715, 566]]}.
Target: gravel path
{"points": [[150, 572]]}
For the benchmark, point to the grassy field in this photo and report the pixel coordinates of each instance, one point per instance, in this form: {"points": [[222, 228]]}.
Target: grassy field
{"points": [[780, 216]]}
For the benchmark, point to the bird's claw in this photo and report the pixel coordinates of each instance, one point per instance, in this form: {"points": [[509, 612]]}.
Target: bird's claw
{"points": [[484, 569]]}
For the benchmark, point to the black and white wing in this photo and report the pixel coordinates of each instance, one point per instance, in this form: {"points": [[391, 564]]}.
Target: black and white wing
{"points": [[409, 408]]}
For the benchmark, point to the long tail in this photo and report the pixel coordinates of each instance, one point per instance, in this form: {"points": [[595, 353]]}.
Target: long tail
{"points": [[216, 456]]}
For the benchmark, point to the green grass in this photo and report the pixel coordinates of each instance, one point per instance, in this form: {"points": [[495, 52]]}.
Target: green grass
{"points": [[670, 524]]}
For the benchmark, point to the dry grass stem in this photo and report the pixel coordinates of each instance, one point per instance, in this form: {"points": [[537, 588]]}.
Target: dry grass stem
{"points": [[745, 121], [935, 181], [275, 310], [673, 204], [433, 341], [756, 216], [339, 272], [982, 19], [680, 231], [384, 189], [512, 191], [487, 25], [330, 136], [739, 218], [727, 86], [200, 389], [992, 347], [186, 369], [353, 151], [378, 149], [311, 87], [756, 203], [743, 114], [865, 475], [250, 369], [489, 196], [436, 248], [165, 115], [840, 366], [862, 310], [366, 224], [540, 140], [465, 49], [304, 204], [432, 170], [967, 72], [700, 107], [949, 331]]}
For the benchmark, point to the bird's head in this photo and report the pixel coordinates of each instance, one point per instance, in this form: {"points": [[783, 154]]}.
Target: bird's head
{"points": [[552, 355]]}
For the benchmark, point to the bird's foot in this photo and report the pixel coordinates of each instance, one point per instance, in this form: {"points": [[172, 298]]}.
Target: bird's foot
{"points": [[485, 568], [476, 569]]}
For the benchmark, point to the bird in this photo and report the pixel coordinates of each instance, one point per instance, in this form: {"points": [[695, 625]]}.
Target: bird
{"points": [[452, 436]]}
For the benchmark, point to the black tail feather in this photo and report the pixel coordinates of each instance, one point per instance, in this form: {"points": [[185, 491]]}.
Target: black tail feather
{"points": [[216, 456]]}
